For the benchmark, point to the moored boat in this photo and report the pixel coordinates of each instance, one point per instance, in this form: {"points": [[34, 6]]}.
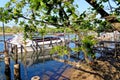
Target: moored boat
{"points": [[59, 34], [33, 44]]}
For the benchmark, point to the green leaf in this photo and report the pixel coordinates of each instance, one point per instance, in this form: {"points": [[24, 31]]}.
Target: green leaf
{"points": [[13, 1], [8, 4], [22, 22]]}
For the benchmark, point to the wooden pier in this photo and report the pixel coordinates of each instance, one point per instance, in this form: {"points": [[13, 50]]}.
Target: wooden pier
{"points": [[108, 47], [11, 51]]}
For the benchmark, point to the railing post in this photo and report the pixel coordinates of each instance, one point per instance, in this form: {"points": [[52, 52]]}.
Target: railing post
{"points": [[21, 48], [5, 45], [16, 52]]}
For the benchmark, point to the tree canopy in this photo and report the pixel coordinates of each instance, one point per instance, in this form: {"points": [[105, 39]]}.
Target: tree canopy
{"points": [[60, 13]]}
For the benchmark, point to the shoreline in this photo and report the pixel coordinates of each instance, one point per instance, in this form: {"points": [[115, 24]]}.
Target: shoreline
{"points": [[6, 34]]}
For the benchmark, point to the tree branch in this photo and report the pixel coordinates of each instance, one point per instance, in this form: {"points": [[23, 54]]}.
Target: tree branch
{"points": [[66, 16], [49, 23], [96, 6]]}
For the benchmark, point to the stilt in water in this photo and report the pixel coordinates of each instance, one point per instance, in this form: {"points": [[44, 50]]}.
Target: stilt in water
{"points": [[35, 78], [17, 72], [7, 66]]}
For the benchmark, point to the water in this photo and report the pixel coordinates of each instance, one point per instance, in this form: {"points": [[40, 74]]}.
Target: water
{"points": [[45, 68], [2, 43], [49, 68], [1, 46]]}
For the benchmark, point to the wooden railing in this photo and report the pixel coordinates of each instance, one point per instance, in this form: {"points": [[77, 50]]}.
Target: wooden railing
{"points": [[108, 47]]}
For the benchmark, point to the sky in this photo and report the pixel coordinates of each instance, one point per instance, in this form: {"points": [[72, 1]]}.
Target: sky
{"points": [[82, 6]]}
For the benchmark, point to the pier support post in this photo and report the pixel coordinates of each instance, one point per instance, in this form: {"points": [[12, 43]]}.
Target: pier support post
{"points": [[7, 61], [17, 71], [7, 72], [7, 65], [35, 78], [6, 53]]}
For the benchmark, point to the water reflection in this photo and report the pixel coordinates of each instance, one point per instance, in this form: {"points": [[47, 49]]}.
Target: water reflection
{"points": [[7, 72], [35, 64], [2, 76], [32, 61]]}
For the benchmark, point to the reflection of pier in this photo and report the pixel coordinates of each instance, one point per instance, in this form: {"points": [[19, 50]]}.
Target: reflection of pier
{"points": [[35, 57], [28, 58]]}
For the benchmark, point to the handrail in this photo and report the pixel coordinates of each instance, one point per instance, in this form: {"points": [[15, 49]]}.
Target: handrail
{"points": [[109, 41]]}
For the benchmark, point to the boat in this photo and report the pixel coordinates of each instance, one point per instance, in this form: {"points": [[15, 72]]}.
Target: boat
{"points": [[34, 44], [59, 34]]}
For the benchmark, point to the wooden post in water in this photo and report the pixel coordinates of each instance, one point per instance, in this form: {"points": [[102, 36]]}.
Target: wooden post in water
{"points": [[7, 68], [7, 58], [7, 61], [35, 78], [16, 65], [6, 53], [17, 71], [7, 65]]}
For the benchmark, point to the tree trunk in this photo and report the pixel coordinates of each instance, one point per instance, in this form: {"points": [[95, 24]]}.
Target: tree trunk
{"points": [[116, 25]]}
